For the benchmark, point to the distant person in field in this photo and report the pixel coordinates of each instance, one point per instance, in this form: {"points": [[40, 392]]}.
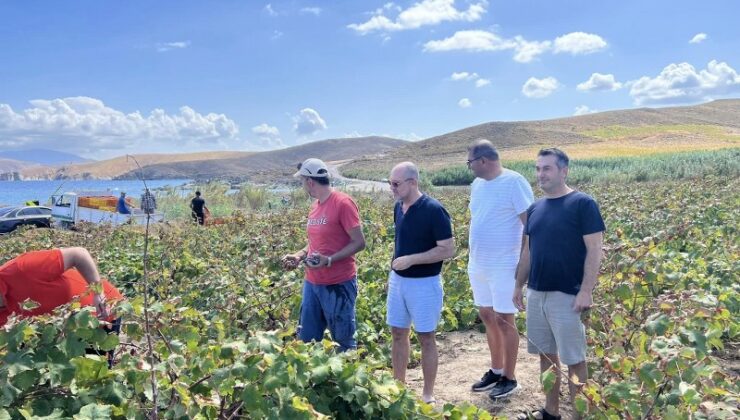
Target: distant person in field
{"points": [[499, 199], [334, 237], [423, 240], [198, 205], [559, 265], [53, 278], [148, 202], [122, 206]]}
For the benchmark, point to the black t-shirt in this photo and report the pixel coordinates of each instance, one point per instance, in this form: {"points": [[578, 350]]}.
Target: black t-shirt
{"points": [[556, 227], [417, 231], [197, 204]]}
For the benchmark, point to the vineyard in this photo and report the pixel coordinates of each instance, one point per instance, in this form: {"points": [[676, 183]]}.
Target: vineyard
{"points": [[215, 336]]}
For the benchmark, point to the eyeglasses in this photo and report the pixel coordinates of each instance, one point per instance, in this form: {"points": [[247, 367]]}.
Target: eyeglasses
{"points": [[473, 160], [396, 184]]}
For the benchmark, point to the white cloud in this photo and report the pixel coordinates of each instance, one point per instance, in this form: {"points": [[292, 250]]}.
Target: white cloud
{"points": [[470, 77], [583, 110], [463, 75], [474, 41], [682, 83], [265, 130], [579, 43], [410, 137], [167, 46], [599, 81], [86, 125], [524, 51], [276, 35], [269, 10], [527, 51], [307, 122], [316, 11], [482, 82], [424, 13], [268, 137], [540, 88], [464, 103], [701, 36]]}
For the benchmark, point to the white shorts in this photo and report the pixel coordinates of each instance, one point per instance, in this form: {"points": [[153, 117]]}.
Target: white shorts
{"points": [[415, 301], [494, 289]]}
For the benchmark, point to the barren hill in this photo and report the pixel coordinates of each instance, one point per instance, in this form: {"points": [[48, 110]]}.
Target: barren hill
{"points": [[716, 123], [266, 166], [10, 168], [112, 168], [708, 126]]}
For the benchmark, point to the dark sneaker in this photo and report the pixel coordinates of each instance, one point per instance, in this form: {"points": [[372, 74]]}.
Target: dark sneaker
{"points": [[503, 388], [487, 382]]}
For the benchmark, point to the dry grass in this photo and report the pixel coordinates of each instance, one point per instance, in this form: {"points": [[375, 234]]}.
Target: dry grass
{"points": [[639, 142], [701, 130]]}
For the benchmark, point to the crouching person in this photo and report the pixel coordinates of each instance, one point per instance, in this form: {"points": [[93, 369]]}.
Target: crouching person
{"points": [[53, 278]]}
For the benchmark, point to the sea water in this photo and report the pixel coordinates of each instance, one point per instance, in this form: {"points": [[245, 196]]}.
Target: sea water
{"points": [[14, 193]]}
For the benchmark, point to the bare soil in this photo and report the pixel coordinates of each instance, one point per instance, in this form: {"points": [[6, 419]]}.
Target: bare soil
{"points": [[464, 358]]}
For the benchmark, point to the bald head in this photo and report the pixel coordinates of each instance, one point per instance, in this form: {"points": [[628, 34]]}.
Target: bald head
{"points": [[405, 170]]}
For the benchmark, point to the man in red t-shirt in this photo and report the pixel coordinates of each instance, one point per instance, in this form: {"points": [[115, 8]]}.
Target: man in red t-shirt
{"points": [[52, 278], [334, 237]]}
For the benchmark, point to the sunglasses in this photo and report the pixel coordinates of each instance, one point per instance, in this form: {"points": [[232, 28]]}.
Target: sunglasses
{"points": [[473, 160], [396, 184]]}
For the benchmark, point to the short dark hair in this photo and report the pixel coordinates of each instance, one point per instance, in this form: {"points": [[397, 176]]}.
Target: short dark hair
{"points": [[483, 148], [321, 180], [197, 193], [562, 158]]}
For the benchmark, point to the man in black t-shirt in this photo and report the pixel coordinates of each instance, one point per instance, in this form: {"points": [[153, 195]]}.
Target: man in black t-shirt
{"points": [[198, 205], [423, 240], [559, 264]]}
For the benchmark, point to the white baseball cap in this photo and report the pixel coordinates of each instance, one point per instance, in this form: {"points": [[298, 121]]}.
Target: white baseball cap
{"points": [[315, 168]]}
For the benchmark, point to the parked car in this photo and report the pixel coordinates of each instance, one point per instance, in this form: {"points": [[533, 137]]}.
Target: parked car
{"points": [[13, 217]]}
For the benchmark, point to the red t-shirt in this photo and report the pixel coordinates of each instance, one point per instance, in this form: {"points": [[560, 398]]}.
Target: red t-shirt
{"points": [[328, 229], [40, 276]]}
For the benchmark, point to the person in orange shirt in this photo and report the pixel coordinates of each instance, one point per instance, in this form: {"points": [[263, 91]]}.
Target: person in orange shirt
{"points": [[52, 278]]}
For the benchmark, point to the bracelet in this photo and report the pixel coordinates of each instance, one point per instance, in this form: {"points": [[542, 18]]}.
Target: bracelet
{"points": [[328, 262]]}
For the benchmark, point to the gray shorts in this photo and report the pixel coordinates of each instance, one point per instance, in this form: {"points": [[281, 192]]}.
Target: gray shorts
{"points": [[553, 327]]}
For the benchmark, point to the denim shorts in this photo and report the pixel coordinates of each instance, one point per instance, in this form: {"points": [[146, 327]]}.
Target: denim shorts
{"points": [[414, 300], [329, 306]]}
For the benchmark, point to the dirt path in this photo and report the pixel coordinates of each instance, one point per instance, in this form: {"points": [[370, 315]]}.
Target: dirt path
{"points": [[351, 184], [464, 357]]}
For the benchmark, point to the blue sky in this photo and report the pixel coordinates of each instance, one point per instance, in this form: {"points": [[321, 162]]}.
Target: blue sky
{"points": [[103, 78]]}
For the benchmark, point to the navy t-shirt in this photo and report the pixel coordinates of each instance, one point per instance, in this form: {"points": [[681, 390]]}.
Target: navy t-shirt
{"points": [[556, 227], [417, 231], [121, 206]]}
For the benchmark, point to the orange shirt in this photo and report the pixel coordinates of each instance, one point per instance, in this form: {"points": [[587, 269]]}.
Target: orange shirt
{"points": [[328, 229], [40, 276]]}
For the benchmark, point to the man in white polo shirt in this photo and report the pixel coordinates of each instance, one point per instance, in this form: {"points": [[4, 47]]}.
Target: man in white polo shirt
{"points": [[499, 199]]}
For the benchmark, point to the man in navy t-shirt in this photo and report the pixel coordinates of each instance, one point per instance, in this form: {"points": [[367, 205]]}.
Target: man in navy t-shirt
{"points": [[559, 264], [423, 240]]}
